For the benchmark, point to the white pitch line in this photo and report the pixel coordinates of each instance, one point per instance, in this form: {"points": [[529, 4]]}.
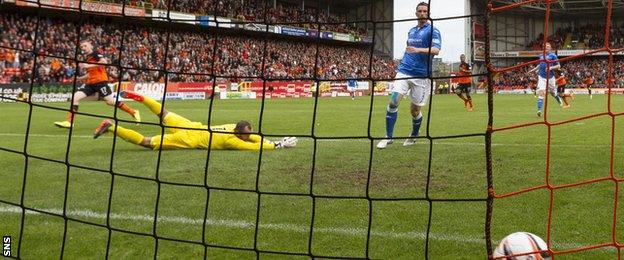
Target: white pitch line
{"points": [[42, 135], [229, 223], [356, 140], [249, 225]]}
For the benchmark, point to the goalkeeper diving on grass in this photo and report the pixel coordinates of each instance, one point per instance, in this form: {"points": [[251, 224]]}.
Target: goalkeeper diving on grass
{"points": [[186, 134]]}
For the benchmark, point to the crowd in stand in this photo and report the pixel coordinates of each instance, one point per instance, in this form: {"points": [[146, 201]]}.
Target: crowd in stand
{"points": [[145, 54], [575, 72], [589, 36], [254, 10], [190, 55]]}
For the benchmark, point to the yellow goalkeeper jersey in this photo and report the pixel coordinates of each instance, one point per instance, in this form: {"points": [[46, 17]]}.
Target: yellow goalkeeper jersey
{"points": [[223, 141], [200, 138]]}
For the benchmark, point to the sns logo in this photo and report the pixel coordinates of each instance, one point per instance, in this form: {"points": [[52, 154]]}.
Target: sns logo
{"points": [[6, 246]]}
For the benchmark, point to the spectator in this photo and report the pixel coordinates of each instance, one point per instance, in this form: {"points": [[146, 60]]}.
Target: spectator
{"points": [[574, 70], [188, 55]]}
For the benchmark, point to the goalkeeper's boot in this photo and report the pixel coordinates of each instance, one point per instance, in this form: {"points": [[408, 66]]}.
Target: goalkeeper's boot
{"points": [[409, 142], [384, 143], [102, 128], [131, 95], [63, 124], [137, 116]]}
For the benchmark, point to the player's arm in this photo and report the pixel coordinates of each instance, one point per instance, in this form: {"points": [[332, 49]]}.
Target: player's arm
{"points": [[100, 60], [534, 69], [82, 78], [411, 49], [257, 139], [436, 45], [465, 69], [238, 144], [554, 65], [91, 65]]}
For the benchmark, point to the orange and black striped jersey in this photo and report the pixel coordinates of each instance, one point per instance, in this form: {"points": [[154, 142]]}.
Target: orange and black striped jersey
{"points": [[588, 81], [561, 81], [464, 73], [96, 74]]}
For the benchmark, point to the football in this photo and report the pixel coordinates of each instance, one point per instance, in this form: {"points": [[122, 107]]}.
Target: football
{"points": [[522, 243]]}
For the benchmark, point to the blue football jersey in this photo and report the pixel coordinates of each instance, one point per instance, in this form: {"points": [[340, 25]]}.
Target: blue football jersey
{"points": [[417, 64], [542, 66], [352, 83]]}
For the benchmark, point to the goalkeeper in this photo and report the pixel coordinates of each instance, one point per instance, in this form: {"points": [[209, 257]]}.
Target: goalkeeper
{"points": [[191, 135]]}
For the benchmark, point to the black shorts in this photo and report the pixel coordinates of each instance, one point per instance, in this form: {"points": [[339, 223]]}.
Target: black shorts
{"points": [[102, 88], [561, 89], [463, 87]]}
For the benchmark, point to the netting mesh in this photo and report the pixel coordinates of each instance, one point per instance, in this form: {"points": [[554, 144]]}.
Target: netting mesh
{"points": [[548, 184], [169, 35]]}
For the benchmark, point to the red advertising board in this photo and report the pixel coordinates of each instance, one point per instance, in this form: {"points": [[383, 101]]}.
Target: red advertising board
{"points": [[478, 31], [159, 88], [271, 89], [277, 89]]}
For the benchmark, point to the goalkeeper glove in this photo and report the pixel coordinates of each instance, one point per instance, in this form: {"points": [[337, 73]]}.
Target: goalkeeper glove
{"points": [[286, 142]]}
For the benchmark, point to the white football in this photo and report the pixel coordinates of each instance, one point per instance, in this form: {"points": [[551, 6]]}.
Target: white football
{"points": [[522, 243]]}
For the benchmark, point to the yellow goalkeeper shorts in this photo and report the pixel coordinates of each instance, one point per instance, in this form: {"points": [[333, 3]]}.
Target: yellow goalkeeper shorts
{"points": [[180, 138], [175, 120]]}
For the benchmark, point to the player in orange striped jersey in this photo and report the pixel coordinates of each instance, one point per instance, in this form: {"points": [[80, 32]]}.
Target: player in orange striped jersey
{"points": [[589, 83], [465, 83], [95, 81], [561, 86]]}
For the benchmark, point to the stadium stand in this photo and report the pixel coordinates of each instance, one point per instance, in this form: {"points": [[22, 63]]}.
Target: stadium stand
{"points": [[590, 36], [253, 10], [240, 56], [583, 37], [575, 72]]}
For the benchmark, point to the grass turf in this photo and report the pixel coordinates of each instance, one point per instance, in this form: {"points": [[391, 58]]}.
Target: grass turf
{"points": [[339, 184]]}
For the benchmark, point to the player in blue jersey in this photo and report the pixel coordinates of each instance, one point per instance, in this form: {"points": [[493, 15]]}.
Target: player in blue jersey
{"points": [[423, 42], [352, 85], [544, 75]]}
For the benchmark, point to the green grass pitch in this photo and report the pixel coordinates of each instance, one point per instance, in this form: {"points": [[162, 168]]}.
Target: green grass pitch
{"points": [[449, 182]]}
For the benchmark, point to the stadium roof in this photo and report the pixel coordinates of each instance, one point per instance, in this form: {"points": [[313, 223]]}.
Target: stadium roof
{"points": [[568, 7]]}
